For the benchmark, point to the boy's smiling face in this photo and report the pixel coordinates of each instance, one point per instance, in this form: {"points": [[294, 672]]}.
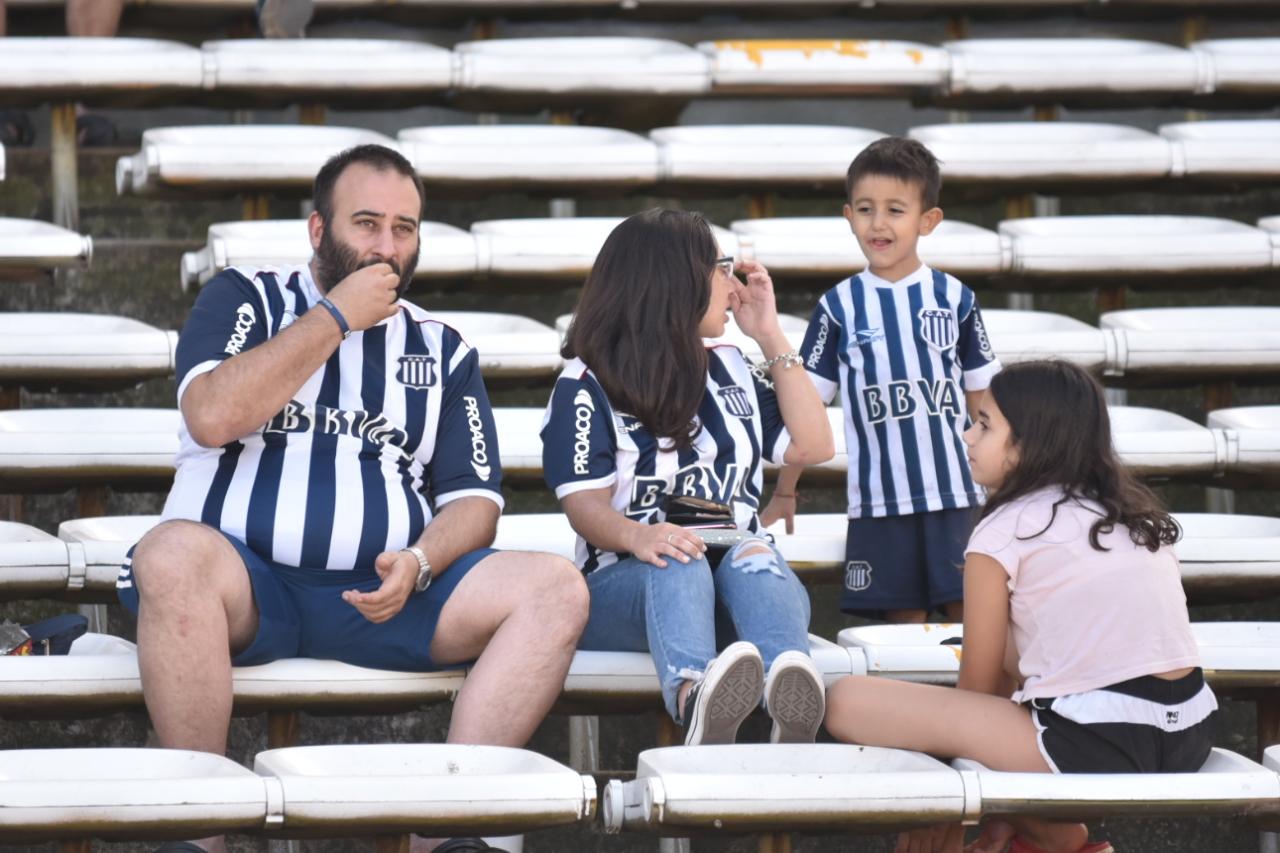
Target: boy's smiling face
{"points": [[888, 217]]}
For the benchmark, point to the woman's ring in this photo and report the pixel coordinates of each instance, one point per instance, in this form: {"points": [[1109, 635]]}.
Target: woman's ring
{"points": [[669, 542]]}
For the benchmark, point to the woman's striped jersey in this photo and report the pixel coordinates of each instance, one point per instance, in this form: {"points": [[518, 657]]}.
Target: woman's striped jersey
{"points": [[394, 425], [588, 444], [902, 355]]}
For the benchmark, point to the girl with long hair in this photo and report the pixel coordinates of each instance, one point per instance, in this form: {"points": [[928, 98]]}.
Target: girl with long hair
{"points": [[647, 416], [1078, 652]]}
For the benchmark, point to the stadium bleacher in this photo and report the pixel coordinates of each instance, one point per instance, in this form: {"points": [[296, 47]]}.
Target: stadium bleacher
{"points": [[1200, 250]]}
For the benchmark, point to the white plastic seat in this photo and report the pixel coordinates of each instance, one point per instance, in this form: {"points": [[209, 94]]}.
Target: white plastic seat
{"points": [[509, 346], [81, 350], [824, 246], [331, 70], [1239, 149], [53, 449], [1227, 785], [2, 161], [1135, 246], [1156, 443], [447, 252], [543, 68], [1239, 654], [741, 788], [1242, 65], [119, 71], [435, 789], [1187, 343], [1229, 557], [750, 155], [234, 158], [507, 156], [1045, 152], [28, 245], [1033, 335], [33, 564], [101, 544], [128, 794], [1019, 69], [520, 442], [552, 247], [1254, 431], [1271, 225], [824, 66]]}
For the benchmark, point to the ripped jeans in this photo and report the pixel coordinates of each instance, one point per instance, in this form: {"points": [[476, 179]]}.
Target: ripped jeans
{"points": [[677, 613]]}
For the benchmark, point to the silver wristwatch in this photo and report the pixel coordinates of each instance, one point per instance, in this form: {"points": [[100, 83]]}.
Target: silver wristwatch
{"points": [[424, 568]]}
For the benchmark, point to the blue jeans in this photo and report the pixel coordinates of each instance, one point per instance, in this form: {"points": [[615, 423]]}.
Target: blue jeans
{"points": [[674, 613]]}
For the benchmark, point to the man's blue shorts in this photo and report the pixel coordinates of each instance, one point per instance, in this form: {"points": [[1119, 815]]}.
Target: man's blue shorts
{"points": [[301, 614], [905, 562]]}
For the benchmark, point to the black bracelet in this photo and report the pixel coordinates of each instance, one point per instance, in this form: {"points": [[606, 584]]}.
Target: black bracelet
{"points": [[337, 317]]}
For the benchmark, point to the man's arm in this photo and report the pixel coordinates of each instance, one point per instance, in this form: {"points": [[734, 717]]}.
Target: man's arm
{"points": [[460, 526]]}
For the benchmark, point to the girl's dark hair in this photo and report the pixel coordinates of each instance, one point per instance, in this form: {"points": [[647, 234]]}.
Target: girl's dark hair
{"points": [[1062, 433], [636, 325]]}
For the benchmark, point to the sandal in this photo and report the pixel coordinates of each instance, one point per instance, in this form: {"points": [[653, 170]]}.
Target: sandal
{"points": [[1022, 845], [16, 130]]}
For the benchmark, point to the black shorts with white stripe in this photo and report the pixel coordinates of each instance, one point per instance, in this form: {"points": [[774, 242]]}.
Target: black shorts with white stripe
{"points": [[1143, 725]]}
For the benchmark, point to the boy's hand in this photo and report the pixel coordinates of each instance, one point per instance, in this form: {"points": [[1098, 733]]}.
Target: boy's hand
{"points": [[754, 307]]}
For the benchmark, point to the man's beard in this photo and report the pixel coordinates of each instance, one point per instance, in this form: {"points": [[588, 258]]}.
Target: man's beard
{"points": [[336, 260]]}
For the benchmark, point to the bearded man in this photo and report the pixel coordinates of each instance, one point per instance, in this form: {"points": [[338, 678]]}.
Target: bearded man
{"points": [[337, 487]]}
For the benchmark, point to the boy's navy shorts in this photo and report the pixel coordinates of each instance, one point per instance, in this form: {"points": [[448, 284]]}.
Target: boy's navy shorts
{"points": [[905, 562], [301, 614]]}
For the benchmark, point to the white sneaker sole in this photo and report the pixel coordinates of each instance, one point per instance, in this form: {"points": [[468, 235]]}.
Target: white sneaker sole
{"points": [[796, 702], [728, 694]]}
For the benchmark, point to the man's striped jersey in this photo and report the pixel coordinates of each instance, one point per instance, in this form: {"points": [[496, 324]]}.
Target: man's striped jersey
{"points": [[902, 355], [395, 424], [587, 444]]}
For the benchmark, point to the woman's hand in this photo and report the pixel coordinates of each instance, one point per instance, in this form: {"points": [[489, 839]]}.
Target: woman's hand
{"points": [[754, 307], [654, 542], [780, 506]]}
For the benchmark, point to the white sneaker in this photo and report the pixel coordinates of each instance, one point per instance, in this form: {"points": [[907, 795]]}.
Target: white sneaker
{"points": [[727, 693], [795, 697]]}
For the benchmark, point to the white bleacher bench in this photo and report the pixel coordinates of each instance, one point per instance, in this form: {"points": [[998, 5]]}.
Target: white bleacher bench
{"points": [[2, 162], [234, 158], [741, 788], [1156, 443], [825, 246], [1071, 153], [509, 346], [752, 156], [447, 252], [1242, 66], [556, 248], [1271, 225], [1253, 432], [1240, 149], [824, 66], [537, 71], [84, 351], [1021, 70], [1034, 335], [28, 246], [129, 794], [341, 71], [529, 156], [116, 71], [1127, 246], [437, 790], [835, 787], [1207, 342]]}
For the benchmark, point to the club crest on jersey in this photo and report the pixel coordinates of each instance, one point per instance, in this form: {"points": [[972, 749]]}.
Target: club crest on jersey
{"points": [[938, 327], [417, 371], [857, 575], [736, 401]]}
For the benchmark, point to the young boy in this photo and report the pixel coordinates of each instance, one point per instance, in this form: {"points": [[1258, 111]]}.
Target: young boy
{"points": [[905, 347]]}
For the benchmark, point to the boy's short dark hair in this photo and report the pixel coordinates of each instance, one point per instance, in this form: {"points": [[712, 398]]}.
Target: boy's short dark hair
{"points": [[377, 157], [897, 157]]}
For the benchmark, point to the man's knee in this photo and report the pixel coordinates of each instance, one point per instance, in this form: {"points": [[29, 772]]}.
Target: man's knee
{"points": [[177, 555], [562, 590]]}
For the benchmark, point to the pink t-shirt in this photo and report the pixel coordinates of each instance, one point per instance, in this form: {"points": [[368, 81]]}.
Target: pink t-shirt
{"points": [[1081, 618]]}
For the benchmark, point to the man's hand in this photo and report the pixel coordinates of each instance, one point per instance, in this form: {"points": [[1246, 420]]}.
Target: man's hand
{"points": [[399, 571], [367, 296]]}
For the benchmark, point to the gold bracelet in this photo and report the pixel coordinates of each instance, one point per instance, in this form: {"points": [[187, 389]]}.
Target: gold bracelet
{"points": [[788, 360]]}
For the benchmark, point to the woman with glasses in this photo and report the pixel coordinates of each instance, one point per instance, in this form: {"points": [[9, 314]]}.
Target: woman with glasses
{"points": [[650, 423]]}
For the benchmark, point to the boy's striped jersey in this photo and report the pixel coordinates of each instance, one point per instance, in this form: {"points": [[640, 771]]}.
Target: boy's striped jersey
{"points": [[587, 444], [394, 425], [902, 355]]}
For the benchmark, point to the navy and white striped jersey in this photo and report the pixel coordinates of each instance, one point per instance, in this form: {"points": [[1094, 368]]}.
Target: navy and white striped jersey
{"points": [[397, 423], [902, 355], [587, 444]]}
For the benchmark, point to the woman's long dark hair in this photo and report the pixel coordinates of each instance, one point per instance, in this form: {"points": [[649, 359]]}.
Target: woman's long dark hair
{"points": [[636, 325], [1062, 432]]}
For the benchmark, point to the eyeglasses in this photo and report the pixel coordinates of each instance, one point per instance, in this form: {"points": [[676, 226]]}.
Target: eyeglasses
{"points": [[725, 264]]}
